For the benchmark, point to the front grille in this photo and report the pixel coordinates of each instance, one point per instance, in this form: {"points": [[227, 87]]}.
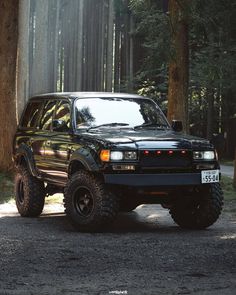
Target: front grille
{"points": [[165, 160]]}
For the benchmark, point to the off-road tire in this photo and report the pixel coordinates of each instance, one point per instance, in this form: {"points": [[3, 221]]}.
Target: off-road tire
{"points": [[103, 205], [29, 193], [199, 213]]}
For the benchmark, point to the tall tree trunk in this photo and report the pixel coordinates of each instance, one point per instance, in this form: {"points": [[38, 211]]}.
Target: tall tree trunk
{"points": [[100, 40], [234, 182], [109, 71], [40, 75], [8, 57], [80, 47], [56, 45], [85, 46], [102, 56], [31, 45], [52, 43], [131, 54], [210, 113], [117, 52], [179, 64], [126, 47], [23, 56]]}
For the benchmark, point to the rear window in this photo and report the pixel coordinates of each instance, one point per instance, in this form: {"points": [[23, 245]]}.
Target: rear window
{"points": [[31, 114]]}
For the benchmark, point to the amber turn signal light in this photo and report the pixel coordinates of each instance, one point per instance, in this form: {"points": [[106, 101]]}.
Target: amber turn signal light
{"points": [[105, 155]]}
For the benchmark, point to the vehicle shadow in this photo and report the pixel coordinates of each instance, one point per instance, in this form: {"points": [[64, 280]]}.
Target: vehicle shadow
{"points": [[139, 220], [145, 219], [125, 223]]}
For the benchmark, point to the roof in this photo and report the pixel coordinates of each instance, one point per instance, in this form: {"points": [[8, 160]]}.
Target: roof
{"points": [[85, 95]]}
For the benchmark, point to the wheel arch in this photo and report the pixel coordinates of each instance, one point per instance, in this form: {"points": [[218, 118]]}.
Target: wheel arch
{"points": [[76, 165], [24, 157], [82, 160]]}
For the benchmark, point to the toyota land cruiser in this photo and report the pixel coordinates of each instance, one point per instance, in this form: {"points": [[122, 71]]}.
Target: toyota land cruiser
{"points": [[111, 152]]}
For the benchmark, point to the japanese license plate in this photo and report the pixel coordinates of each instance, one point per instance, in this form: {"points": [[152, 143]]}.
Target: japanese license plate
{"points": [[209, 176]]}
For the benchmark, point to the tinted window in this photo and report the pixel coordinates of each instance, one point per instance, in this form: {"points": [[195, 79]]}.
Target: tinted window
{"points": [[131, 112], [63, 114], [31, 114], [47, 115]]}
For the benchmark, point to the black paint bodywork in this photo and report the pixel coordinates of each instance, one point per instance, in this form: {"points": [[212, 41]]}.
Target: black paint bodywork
{"points": [[54, 156]]}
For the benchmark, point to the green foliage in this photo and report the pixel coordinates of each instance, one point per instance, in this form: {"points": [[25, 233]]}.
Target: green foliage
{"points": [[212, 44], [7, 189], [152, 25], [228, 189], [213, 62]]}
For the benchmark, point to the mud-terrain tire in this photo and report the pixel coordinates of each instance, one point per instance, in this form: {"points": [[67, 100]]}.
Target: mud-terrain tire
{"points": [[200, 213], [29, 193], [88, 205]]}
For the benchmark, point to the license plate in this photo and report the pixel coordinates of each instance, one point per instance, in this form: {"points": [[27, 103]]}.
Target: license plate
{"points": [[210, 176]]}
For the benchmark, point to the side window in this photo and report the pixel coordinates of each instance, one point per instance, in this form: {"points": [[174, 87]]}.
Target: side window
{"points": [[31, 114], [63, 114], [47, 115]]}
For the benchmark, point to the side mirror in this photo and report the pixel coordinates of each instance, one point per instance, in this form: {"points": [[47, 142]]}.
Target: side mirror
{"points": [[59, 125], [177, 125]]}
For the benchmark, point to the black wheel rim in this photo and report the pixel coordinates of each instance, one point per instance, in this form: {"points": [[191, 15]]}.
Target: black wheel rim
{"points": [[83, 201], [21, 195]]}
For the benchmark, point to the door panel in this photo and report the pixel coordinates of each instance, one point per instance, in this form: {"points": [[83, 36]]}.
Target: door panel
{"points": [[38, 143], [56, 154], [57, 144]]}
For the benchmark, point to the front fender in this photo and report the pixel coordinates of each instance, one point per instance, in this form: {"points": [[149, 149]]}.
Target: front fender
{"points": [[24, 152], [84, 157]]}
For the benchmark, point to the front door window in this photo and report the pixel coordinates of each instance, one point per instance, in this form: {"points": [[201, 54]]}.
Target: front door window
{"points": [[46, 119]]}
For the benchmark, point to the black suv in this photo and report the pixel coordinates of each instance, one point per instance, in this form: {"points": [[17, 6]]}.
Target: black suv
{"points": [[110, 152]]}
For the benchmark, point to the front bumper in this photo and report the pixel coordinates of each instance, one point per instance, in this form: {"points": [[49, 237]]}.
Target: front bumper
{"points": [[148, 180]]}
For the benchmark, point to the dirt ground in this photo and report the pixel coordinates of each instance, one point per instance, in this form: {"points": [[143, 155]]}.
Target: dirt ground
{"points": [[144, 253]]}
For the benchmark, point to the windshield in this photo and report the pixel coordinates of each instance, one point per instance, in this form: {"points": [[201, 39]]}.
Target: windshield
{"points": [[121, 112]]}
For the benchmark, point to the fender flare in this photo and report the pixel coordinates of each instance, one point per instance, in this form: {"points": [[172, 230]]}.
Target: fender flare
{"points": [[25, 152], [84, 157]]}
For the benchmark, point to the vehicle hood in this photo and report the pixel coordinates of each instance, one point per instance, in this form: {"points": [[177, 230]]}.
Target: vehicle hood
{"points": [[146, 139]]}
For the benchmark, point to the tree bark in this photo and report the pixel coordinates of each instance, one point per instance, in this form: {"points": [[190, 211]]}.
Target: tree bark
{"points": [[131, 55], [109, 70], [80, 47], [179, 64], [31, 45], [56, 45], [117, 52], [40, 69], [234, 182], [8, 57], [23, 56], [210, 113]]}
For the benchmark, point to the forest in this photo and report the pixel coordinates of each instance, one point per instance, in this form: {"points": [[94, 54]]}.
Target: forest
{"points": [[100, 194], [180, 53]]}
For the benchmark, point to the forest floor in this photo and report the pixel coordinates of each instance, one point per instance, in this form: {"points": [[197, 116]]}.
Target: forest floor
{"points": [[144, 253], [227, 170]]}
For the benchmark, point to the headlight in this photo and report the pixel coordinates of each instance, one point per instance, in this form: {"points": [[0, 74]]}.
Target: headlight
{"points": [[116, 156], [130, 155], [203, 155], [107, 155]]}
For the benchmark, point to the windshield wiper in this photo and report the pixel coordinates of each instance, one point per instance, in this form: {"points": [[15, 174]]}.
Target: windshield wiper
{"points": [[159, 126], [109, 125]]}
